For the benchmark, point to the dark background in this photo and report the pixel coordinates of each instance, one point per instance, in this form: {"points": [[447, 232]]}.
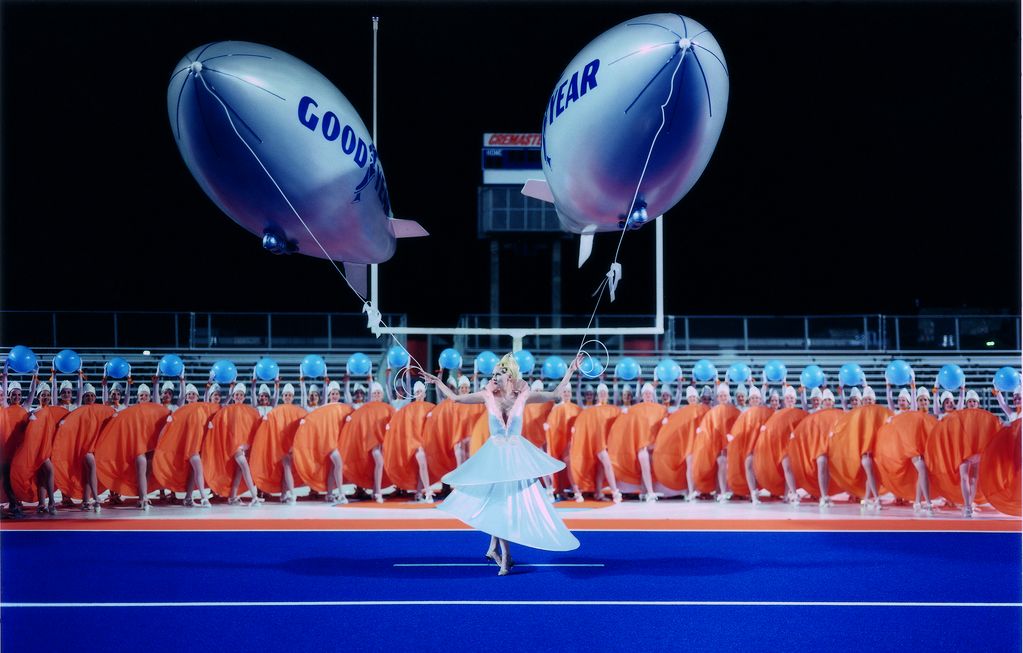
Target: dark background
{"points": [[869, 161]]}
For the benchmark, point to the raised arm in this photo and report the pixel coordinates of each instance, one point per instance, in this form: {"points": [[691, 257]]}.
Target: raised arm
{"points": [[962, 397], [1002, 403], [348, 390], [255, 398], [888, 394], [4, 388], [936, 404], [542, 397], [277, 391], [471, 398], [841, 395]]}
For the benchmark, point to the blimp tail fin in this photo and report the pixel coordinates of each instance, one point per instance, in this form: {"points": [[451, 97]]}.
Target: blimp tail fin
{"points": [[538, 188], [407, 228], [357, 274]]}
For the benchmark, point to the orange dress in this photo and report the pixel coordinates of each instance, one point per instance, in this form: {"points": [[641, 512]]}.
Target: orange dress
{"points": [[960, 436], [589, 438], [673, 443], [854, 435], [999, 470], [447, 425], [77, 434], [534, 416], [233, 427], [274, 437], [13, 420], [630, 433], [404, 437], [902, 437], [180, 440], [559, 424], [711, 439], [35, 447], [364, 431], [772, 445], [745, 432], [479, 434], [810, 441], [318, 434], [128, 434]]}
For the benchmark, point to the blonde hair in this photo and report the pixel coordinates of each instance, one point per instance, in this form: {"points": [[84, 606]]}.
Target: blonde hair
{"points": [[509, 363]]}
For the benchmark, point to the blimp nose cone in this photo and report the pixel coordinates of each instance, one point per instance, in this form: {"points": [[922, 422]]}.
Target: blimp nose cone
{"points": [[196, 67], [684, 44]]}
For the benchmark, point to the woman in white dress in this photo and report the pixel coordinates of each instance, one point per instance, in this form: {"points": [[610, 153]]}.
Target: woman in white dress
{"points": [[497, 490]]}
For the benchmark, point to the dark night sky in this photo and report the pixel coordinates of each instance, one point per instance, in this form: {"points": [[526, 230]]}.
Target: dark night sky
{"points": [[869, 161]]}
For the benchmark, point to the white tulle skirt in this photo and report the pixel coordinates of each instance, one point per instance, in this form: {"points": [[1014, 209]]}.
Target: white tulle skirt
{"points": [[496, 491]]}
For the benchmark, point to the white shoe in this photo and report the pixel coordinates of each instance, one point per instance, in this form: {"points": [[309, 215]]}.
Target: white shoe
{"points": [[792, 499], [205, 503], [579, 498], [755, 500], [616, 496], [378, 497], [234, 501], [651, 497], [916, 507], [255, 501], [187, 502]]}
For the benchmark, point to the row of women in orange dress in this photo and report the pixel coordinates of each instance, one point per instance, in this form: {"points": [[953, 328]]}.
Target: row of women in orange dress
{"points": [[713, 445], [716, 448]]}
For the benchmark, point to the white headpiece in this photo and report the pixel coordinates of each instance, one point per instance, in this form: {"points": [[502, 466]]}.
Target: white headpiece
{"points": [[691, 392], [376, 387], [213, 388], [264, 389], [188, 388], [238, 387], [65, 385], [855, 393], [868, 393], [789, 391], [418, 386], [333, 385], [602, 387], [904, 394], [452, 381], [589, 387], [13, 385], [463, 380], [314, 388], [740, 390], [143, 388], [722, 389], [970, 394], [827, 394], [665, 389], [946, 396], [288, 388], [116, 386], [536, 387], [358, 387], [754, 391], [647, 386], [42, 387], [922, 392], [167, 385], [86, 389], [816, 392]]}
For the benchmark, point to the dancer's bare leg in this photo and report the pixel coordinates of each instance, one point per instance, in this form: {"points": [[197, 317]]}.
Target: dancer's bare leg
{"points": [[196, 462], [751, 479], [378, 472], [923, 485], [335, 478], [458, 454], [598, 484], [142, 480], [868, 467], [823, 478], [690, 484], [505, 558], [722, 461], [492, 551], [48, 480], [424, 475], [242, 464], [644, 469], [609, 473], [287, 480]]}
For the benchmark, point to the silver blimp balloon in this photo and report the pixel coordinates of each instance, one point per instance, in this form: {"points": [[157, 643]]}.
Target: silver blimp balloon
{"points": [[632, 124], [282, 152]]}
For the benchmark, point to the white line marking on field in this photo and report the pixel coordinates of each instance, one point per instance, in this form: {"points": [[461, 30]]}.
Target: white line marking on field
{"points": [[274, 604], [491, 564]]}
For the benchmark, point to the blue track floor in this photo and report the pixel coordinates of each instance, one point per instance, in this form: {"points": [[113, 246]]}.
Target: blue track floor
{"points": [[180, 567]]}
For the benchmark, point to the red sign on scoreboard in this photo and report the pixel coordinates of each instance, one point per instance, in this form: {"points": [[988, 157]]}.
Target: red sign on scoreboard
{"points": [[511, 140]]}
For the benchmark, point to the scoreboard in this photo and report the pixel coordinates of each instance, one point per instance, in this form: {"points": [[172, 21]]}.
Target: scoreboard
{"points": [[511, 158]]}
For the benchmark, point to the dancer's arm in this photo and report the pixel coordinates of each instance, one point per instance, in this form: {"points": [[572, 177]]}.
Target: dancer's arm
{"points": [[543, 397], [471, 398]]}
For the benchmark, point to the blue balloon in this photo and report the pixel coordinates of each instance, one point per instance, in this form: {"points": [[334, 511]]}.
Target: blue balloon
{"points": [[812, 376], [667, 371], [898, 372], [739, 373], [224, 372], [677, 101], [450, 359], [256, 127], [704, 370], [851, 374], [313, 366], [397, 357], [486, 361], [1006, 379], [526, 362], [627, 369], [171, 365], [951, 377], [553, 368], [266, 369], [67, 362], [117, 368], [358, 364], [775, 371], [590, 367], [21, 359]]}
